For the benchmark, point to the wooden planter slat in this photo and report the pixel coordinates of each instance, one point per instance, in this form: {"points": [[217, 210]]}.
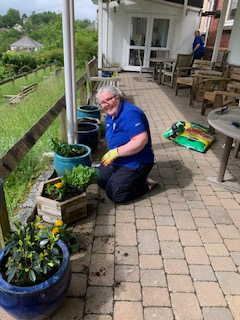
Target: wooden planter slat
{"points": [[68, 211]]}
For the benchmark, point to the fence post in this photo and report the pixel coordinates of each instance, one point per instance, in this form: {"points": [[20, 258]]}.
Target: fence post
{"points": [[63, 127], [4, 221], [83, 94]]}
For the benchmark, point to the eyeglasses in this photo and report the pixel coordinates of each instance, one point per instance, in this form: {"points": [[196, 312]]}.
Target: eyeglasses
{"points": [[106, 101]]}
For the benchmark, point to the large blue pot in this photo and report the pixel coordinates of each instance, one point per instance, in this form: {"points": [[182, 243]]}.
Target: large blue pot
{"points": [[88, 134], [89, 112], [40, 301], [62, 163]]}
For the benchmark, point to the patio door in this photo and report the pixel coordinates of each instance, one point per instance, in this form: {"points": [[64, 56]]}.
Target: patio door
{"points": [[149, 34]]}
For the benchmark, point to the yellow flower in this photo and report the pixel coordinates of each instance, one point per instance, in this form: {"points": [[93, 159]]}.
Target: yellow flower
{"points": [[41, 227], [55, 230], [58, 185], [59, 223]]}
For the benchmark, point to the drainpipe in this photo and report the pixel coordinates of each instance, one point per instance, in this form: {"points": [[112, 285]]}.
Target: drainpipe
{"points": [[67, 49], [219, 30], [100, 32], [73, 61]]}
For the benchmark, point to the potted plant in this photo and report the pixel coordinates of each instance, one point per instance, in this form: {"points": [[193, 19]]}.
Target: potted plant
{"points": [[35, 270], [67, 156], [65, 197]]}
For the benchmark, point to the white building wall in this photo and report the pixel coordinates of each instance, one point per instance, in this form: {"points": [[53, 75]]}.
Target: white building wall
{"points": [[182, 34]]}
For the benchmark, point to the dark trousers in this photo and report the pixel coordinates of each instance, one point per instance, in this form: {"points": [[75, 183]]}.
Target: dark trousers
{"points": [[124, 184]]}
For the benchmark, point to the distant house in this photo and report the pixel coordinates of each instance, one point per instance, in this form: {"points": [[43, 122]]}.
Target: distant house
{"points": [[18, 27], [26, 44]]}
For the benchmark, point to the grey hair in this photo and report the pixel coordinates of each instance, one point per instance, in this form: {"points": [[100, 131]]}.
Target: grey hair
{"points": [[115, 91]]}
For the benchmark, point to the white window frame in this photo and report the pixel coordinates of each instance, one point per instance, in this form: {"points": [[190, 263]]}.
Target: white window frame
{"points": [[229, 22]]}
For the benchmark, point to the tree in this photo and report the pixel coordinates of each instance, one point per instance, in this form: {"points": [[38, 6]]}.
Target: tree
{"points": [[11, 18]]}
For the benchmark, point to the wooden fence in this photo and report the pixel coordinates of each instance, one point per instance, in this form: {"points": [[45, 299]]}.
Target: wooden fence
{"points": [[25, 74], [13, 156]]}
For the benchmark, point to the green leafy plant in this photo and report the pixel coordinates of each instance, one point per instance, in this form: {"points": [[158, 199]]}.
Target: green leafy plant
{"points": [[66, 150], [71, 183], [33, 255]]}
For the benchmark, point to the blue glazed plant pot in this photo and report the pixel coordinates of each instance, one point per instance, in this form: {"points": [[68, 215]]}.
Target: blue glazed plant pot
{"points": [[89, 111], [37, 302], [62, 163], [88, 134]]}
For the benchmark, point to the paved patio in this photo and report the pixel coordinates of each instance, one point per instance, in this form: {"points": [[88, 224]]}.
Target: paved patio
{"points": [[172, 254]]}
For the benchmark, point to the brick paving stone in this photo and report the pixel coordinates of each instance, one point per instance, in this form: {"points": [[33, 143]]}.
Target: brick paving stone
{"points": [[129, 291], [234, 306], [223, 264], [232, 244], [230, 204], [150, 261], [144, 213], [210, 235], [228, 231], [199, 212], [145, 224], [167, 233], [128, 310], [155, 297], [217, 313], [164, 221], [80, 261], [153, 313], [224, 194], [148, 242], [196, 205], [204, 222], [185, 306], [175, 266], [211, 200], [209, 294], [190, 237], [103, 231], [179, 206], [126, 234], [202, 273], [153, 278], [175, 197], [126, 273], [219, 215], [180, 283], [191, 195], [104, 208], [234, 216], [143, 202], [196, 255], [236, 258], [172, 250], [78, 285], [126, 255], [205, 190], [229, 282], [184, 220], [125, 215], [216, 249], [99, 300], [105, 220], [162, 210], [101, 270], [103, 245], [71, 308]]}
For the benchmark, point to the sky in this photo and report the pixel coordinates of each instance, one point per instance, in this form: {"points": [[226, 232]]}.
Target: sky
{"points": [[84, 9]]}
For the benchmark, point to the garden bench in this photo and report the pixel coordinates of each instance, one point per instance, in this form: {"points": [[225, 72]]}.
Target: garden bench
{"points": [[24, 91], [96, 81]]}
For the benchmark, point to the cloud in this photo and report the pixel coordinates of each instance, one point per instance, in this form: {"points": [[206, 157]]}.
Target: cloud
{"points": [[84, 9]]}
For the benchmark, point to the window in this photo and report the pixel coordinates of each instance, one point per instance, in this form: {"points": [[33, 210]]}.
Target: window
{"points": [[232, 7]]}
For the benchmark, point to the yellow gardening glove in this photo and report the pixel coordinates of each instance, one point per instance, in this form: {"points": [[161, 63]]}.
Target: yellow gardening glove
{"points": [[110, 156]]}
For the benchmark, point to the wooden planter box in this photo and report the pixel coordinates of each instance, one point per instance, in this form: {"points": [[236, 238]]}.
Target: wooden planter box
{"points": [[68, 211]]}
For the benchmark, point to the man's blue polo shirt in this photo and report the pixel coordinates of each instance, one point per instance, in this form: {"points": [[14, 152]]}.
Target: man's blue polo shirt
{"points": [[129, 122]]}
